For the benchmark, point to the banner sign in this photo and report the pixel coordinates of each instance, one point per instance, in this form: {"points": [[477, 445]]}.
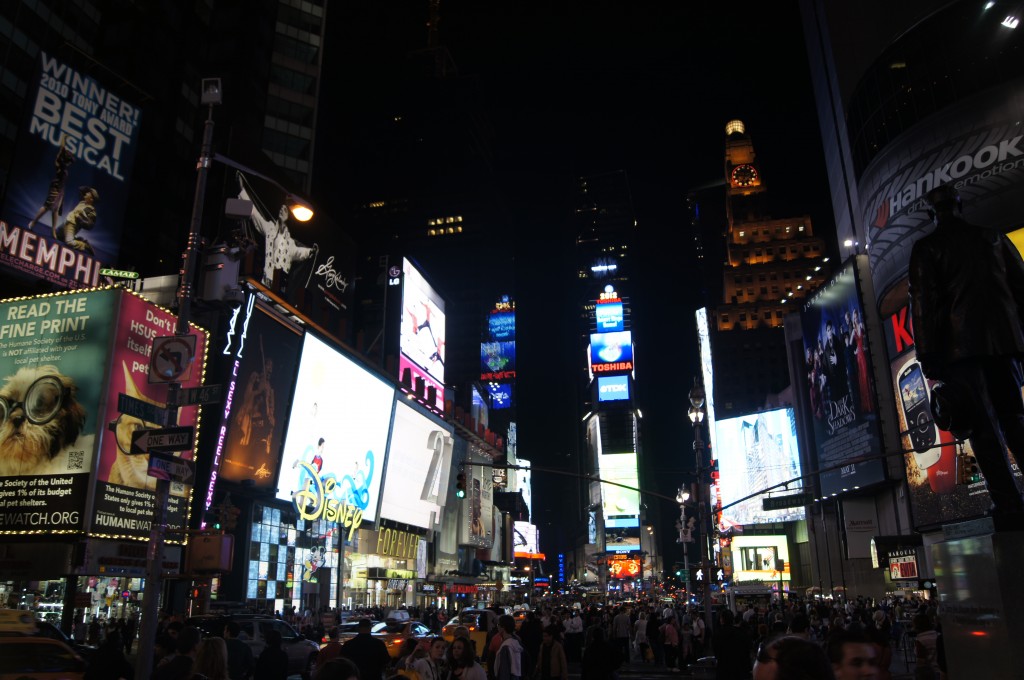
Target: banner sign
{"points": [[53, 359], [63, 215], [840, 386]]}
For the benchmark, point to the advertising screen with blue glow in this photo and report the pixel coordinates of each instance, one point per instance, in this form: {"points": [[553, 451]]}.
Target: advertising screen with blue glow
{"points": [[337, 434], [755, 452], [497, 360], [609, 317], [611, 348], [502, 325], [501, 395], [613, 388]]}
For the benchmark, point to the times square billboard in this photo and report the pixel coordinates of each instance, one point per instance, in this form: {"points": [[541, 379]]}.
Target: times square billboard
{"points": [[63, 214], [757, 451], [335, 444], [422, 332], [68, 360], [840, 386]]}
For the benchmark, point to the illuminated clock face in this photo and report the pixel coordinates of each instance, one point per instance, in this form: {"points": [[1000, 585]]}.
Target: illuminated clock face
{"points": [[744, 175]]}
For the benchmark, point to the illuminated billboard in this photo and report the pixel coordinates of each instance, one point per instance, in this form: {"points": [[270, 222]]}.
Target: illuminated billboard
{"points": [[707, 374], [620, 567], [526, 540], [337, 436], [622, 539], [608, 316], [621, 506], [264, 355], [611, 352], [68, 187], [53, 359], [501, 325], [501, 395], [760, 558], [417, 471], [930, 456], [478, 505], [755, 452], [613, 388], [125, 493], [840, 386], [498, 360], [422, 335]]}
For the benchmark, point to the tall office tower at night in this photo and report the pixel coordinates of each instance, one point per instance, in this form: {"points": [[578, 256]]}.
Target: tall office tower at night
{"points": [[771, 265], [269, 63], [617, 550]]}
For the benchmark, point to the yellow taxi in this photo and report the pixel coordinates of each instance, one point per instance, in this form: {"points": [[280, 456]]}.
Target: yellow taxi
{"points": [[395, 633], [478, 621], [38, 658]]}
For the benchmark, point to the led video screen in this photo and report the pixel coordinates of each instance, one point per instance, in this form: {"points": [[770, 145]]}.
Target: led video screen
{"points": [[337, 434], [755, 452], [609, 317], [618, 502], [526, 540], [501, 325], [422, 335], [611, 351], [613, 388], [419, 460], [760, 558], [501, 395]]}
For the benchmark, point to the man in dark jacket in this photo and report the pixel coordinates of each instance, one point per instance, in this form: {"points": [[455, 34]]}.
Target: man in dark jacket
{"points": [[967, 299], [732, 646], [368, 653]]}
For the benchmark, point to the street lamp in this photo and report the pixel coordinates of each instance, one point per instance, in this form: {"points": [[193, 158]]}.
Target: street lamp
{"points": [[211, 96], [696, 414]]}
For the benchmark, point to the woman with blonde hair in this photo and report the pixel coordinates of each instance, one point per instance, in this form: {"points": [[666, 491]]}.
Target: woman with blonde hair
{"points": [[211, 660]]}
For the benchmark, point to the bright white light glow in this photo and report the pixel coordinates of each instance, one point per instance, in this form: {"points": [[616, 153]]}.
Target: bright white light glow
{"points": [[1011, 21]]}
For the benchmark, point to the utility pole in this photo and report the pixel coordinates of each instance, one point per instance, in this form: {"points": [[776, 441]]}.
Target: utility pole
{"points": [[696, 414]]}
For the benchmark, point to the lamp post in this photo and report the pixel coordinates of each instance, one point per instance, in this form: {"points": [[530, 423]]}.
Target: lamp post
{"points": [[696, 414], [211, 96]]}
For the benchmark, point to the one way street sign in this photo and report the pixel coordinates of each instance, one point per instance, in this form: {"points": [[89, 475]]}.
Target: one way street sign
{"points": [[169, 467], [167, 439]]}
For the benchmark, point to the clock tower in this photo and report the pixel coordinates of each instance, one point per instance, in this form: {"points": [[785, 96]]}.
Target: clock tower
{"points": [[771, 265]]}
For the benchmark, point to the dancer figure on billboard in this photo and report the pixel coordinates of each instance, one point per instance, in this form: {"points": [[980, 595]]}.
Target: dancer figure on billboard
{"points": [[257, 410], [54, 201], [967, 299], [82, 216], [280, 251]]}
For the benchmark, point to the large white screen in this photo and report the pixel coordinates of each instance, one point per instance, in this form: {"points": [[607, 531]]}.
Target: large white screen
{"points": [[755, 452], [347, 407], [418, 460], [617, 501]]}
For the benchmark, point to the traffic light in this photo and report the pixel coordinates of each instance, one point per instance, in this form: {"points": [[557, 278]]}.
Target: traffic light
{"points": [[713, 469], [969, 471], [460, 485]]}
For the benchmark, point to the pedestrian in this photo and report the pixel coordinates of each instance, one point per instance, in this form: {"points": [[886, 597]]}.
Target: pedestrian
{"points": [[337, 669], [369, 654], [640, 637], [211, 660], [600, 658], [272, 663], [110, 662], [670, 642], [240, 660], [431, 667], [509, 661], [332, 650], [462, 664], [853, 656], [574, 636], [621, 628], [925, 648], [178, 666], [792, 657], [732, 647], [551, 663]]}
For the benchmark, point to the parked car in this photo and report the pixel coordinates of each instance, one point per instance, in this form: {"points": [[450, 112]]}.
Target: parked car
{"points": [[38, 658], [21, 623], [301, 652]]}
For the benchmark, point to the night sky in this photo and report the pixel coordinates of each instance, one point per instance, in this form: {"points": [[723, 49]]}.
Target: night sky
{"points": [[584, 87]]}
